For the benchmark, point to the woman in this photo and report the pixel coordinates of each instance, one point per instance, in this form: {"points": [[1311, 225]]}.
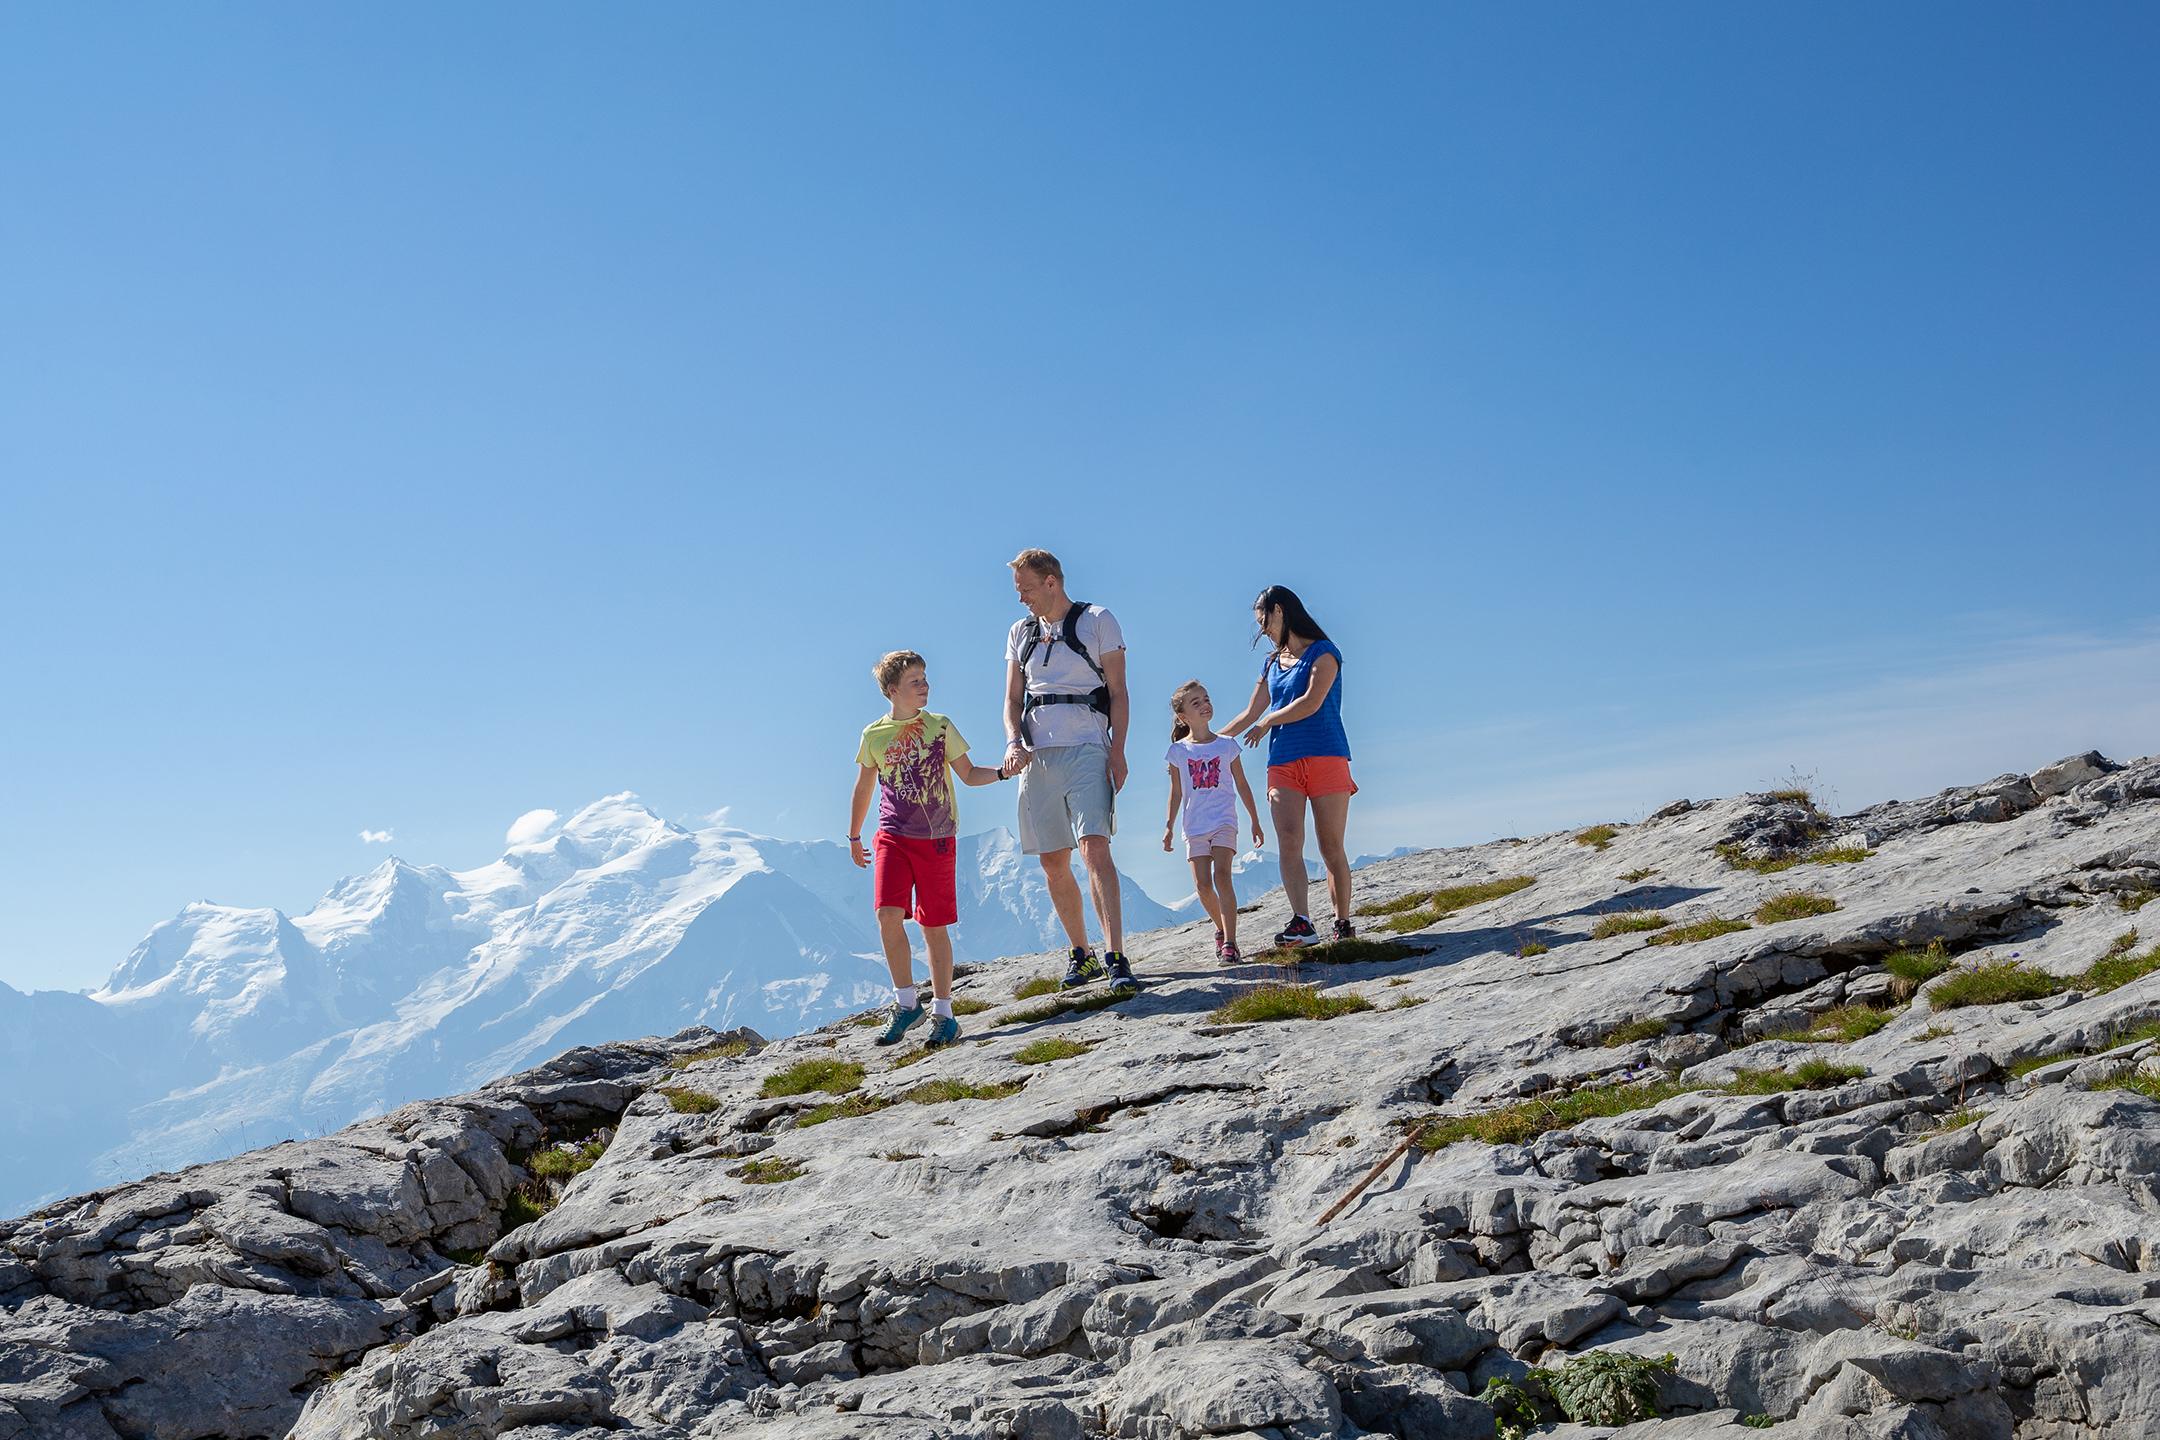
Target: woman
{"points": [[1297, 704]]}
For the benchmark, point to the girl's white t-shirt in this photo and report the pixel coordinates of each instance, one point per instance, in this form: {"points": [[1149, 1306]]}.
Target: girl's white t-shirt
{"points": [[1204, 776]]}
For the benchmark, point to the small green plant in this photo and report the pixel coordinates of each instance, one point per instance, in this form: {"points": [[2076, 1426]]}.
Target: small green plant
{"points": [[1065, 1002], [913, 1057], [1627, 922], [818, 1072], [1355, 951], [689, 1102], [1794, 796], [1957, 1119], [1936, 1032], [1525, 1120], [1808, 1075], [1646, 1028], [2132, 901], [1597, 837], [874, 1017], [1993, 984], [1841, 1025], [1409, 1002], [846, 1108], [1286, 1002], [2146, 1085], [1517, 1407], [944, 1092], [1042, 1052], [1708, 929], [471, 1255], [726, 1051], [1634, 877], [768, 1170], [1416, 911], [1911, 969], [2114, 1036], [1532, 947], [561, 1166], [1758, 1421], [1040, 985], [898, 1155], [1794, 905], [1607, 1387], [969, 1005], [523, 1207], [2117, 967], [1739, 859]]}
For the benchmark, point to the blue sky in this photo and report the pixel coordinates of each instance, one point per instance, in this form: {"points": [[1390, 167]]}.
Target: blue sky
{"points": [[413, 416]]}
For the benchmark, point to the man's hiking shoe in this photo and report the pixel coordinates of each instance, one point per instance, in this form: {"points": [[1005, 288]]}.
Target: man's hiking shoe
{"points": [[1298, 932], [1121, 976], [944, 1030], [1080, 969], [902, 1018], [1230, 955], [1344, 930]]}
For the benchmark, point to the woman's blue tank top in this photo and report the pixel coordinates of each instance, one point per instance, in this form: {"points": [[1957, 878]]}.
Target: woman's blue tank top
{"points": [[1319, 733]]}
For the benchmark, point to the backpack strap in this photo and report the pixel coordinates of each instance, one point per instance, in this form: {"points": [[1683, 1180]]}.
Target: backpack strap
{"points": [[1097, 699]]}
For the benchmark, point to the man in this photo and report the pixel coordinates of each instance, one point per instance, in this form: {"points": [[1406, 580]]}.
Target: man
{"points": [[1066, 709]]}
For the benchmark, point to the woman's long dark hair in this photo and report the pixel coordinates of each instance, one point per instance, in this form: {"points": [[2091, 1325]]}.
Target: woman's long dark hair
{"points": [[1297, 620]]}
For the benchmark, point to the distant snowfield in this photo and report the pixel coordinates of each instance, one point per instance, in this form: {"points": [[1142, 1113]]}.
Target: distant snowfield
{"points": [[229, 1028]]}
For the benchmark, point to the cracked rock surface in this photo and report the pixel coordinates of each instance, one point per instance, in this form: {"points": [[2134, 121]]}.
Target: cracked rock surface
{"points": [[1954, 1234]]}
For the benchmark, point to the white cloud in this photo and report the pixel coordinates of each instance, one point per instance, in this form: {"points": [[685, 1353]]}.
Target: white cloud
{"points": [[529, 827], [719, 816], [375, 837]]}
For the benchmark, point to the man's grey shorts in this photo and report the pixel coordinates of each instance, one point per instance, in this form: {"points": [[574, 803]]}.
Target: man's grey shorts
{"points": [[1064, 794]]}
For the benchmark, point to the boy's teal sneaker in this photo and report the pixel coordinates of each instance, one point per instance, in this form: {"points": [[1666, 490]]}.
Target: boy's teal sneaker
{"points": [[901, 1020], [944, 1030]]}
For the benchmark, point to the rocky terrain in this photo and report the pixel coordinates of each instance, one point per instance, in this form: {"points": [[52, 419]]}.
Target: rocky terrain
{"points": [[1876, 1156]]}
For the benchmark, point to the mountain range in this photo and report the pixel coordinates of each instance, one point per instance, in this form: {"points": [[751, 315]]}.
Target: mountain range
{"points": [[230, 1027]]}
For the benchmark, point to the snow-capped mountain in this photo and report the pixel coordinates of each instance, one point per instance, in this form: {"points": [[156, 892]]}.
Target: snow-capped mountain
{"points": [[230, 1027]]}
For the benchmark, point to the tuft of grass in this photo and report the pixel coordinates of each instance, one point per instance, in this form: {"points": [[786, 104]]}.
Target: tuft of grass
{"points": [[1848, 1023], [1355, 951], [1040, 985], [1065, 1002], [1634, 1030], [1913, 968], [1525, 1120], [727, 1051], [1995, 984], [1796, 795], [1698, 930], [1597, 837], [2146, 1085], [1409, 1002], [562, 1166], [2118, 1035], [2132, 901], [1636, 876], [1626, 922], [689, 1102], [969, 1005], [1808, 1075], [944, 1092], [874, 1017], [1935, 1032], [1957, 1119], [1532, 947], [768, 1170], [913, 1057], [819, 1072], [846, 1108], [1416, 911], [1794, 905], [523, 1207], [1042, 1052], [1286, 1002], [897, 1155], [2117, 967], [1739, 859]]}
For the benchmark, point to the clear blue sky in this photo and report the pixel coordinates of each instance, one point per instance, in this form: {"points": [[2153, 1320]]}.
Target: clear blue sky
{"points": [[414, 415]]}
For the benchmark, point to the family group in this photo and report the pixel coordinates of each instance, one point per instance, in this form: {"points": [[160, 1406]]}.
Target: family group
{"points": [[1067, 716]]}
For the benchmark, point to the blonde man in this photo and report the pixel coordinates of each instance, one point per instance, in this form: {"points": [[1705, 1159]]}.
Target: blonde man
{"points": [[1065, 719]]}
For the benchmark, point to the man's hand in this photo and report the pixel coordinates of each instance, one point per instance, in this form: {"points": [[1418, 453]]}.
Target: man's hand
{"points": [[860, 856], [1117, 770]]}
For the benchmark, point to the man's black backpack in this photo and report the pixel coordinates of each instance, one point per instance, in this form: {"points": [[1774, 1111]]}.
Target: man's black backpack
{"points": [[1097, 699]]}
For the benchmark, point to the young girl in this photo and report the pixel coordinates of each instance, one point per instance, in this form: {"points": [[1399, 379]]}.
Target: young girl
{"points": [[1198, 757]]}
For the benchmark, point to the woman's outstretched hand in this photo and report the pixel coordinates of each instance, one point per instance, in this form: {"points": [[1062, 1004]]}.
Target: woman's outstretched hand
{"points": [[1252, 737]]}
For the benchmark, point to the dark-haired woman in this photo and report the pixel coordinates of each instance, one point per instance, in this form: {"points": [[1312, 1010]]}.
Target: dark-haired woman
{"points": [[1297, 704]]}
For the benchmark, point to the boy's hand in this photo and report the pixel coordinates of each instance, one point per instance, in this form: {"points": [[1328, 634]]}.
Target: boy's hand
{"points": [[860, 856]]}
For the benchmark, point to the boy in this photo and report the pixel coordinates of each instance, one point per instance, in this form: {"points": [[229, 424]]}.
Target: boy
{"points": [[905, 755]]}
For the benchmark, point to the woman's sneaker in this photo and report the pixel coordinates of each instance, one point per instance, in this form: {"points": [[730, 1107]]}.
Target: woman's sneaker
{"points": [[1230, 955], [902, 1018], [1344, 930], [1298, 932], [1080, 968], [944, 1030], [1121, 976]]}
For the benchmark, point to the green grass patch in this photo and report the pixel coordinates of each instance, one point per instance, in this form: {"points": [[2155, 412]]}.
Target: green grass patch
{"points": [[819, 1072], [1425, 907], [1936, 1032], [1040, 985], [1627, 922], [768, 1170], [1532, 947], [1065, 1002], [969, 1005], [1957, 1119], [1355, 951], [944, 1092], [1634, 1030], [1042, 1052], [875, 1017], [562, 1166], [1409, 1002], [1286, 1002], [1808, 1075], [2117, 967], [1636, 876], [1525, 1120], [1698, 930], [1793, 905], [913, 1057], [846, 1108], [2116, 1036], [1739, 859], [2146, 1085], [1848, 1023], [1793, 796], [728, 1051], [2132, 901], [1913, 968], [1597, 837], [689, 1102], [523, 1207], [1995, 984]]}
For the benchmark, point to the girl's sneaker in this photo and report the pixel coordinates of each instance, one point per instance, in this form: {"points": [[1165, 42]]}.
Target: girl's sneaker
{"points": [[1298, 932], [1344, 930], [1218, 944], [1230, 956]]}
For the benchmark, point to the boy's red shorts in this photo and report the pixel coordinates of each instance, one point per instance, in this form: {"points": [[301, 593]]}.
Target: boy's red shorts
{"points": [[915, 876]]}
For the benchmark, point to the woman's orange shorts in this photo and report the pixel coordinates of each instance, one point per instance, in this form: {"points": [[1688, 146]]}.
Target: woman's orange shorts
{"points": [[1313, 776]]}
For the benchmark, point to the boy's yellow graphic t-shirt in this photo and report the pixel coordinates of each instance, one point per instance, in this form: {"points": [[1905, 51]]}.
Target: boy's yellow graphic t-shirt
{"points": [[913, 760]]}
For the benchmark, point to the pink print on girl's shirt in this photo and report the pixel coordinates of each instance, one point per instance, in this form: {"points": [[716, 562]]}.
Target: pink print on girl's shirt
{"points": [[1204, 774]]}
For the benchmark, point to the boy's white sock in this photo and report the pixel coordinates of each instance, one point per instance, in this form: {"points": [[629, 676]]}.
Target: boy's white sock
{"points": [[941, 1008], [905, 994]]}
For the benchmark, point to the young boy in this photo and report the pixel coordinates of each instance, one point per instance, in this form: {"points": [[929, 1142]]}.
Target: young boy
{"points": [[905, 756]]}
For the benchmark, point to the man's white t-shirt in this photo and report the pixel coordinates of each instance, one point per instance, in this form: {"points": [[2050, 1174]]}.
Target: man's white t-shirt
{"points": [[1210, 791], [1055, 670]]}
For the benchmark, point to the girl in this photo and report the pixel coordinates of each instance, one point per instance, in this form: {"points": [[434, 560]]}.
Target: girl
{"points": [[1298, 705], [1197, 758]]}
